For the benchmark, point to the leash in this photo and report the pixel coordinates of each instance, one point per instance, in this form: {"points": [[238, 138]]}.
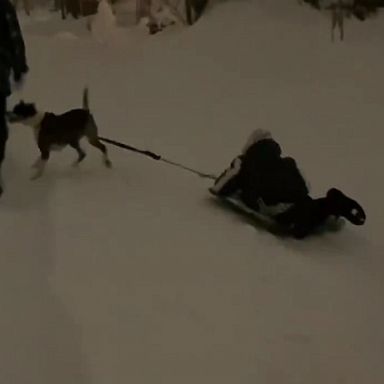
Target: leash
{"points": [[155, 156]]}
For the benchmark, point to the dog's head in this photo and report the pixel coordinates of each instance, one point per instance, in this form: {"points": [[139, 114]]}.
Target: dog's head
{"points": [[342, 205], [22, 112]]}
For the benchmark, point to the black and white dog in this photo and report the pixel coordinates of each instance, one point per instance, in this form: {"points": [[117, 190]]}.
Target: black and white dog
{"points": [[54, 132]]}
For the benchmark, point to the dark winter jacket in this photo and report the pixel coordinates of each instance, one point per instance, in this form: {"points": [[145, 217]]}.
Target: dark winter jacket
{"points": [[12, 48], [266, 175], [261, 173]]}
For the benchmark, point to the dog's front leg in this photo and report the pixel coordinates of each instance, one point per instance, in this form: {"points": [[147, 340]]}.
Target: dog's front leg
{"points": [[36, 163], [40, 164]]}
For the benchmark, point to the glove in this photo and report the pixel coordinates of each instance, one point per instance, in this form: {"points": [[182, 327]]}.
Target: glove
{"points": [[19, 74], [19, 79]]}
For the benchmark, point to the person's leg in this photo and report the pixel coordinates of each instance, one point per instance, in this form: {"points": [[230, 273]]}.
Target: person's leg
{"points": [[341, 205], [3, 136]]}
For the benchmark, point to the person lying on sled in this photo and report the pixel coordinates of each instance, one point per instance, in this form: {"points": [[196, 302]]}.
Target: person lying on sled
{"points": [[272, 185]]}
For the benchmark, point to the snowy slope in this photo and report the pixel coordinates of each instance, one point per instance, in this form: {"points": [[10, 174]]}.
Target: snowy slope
{"points": [[132, 275]]}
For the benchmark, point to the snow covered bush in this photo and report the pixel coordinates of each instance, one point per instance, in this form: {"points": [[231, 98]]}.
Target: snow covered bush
{"points": [[104, 22], [344, 9]]}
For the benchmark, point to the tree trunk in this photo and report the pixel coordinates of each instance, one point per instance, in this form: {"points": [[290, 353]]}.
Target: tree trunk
{"points": [[63, 9], [189, 12]]}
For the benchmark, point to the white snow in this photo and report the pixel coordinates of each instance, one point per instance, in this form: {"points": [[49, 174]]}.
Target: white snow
{"points": [[66, 36], [132, 275]]}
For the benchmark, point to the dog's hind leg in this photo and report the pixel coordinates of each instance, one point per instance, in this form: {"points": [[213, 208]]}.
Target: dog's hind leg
{"points": [[92, 136], [80, 152], [97, 144]]}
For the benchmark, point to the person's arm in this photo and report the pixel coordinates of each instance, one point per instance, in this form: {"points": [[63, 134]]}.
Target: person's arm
{"points": [[228, 182]]}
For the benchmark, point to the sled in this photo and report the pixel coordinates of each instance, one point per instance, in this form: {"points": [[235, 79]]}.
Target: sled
{"points": [[267, 223]]}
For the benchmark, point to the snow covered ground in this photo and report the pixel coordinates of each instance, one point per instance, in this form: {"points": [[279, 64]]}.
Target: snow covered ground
{"points": [[132, 275]]}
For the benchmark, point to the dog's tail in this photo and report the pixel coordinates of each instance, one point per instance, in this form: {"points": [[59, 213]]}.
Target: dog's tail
{"points": [[86, 99]]}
